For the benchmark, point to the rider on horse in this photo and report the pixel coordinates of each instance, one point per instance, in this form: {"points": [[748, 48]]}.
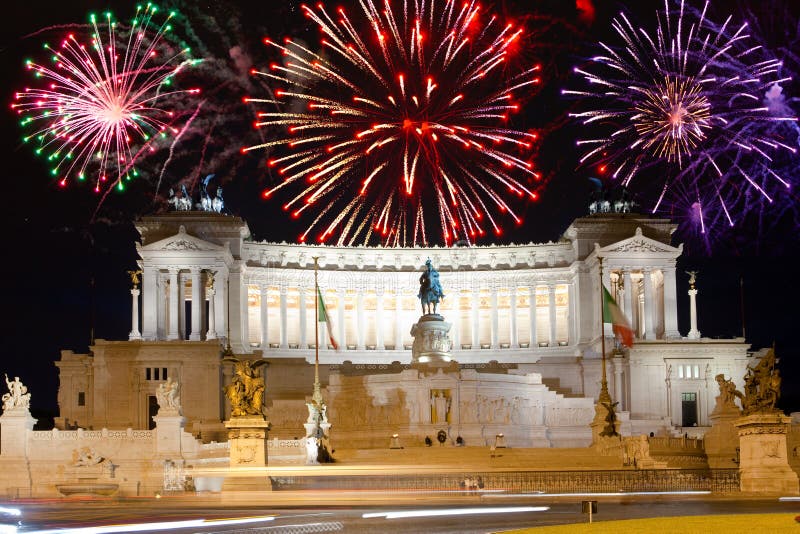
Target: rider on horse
{"points": [[430, 290]]}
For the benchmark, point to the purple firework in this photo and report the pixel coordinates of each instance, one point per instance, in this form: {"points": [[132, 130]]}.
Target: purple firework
{"points": [[688, 102]]}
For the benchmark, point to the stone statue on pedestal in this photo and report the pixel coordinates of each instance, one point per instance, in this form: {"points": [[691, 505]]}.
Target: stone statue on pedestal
{"points": [[430, 290], [762, 386], [726, 401], [168, 397], [246, 390], [17, 396]]}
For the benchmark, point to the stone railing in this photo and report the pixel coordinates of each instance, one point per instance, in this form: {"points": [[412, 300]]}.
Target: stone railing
{"points": [[671, 445], [75, 435], [560, 482]]}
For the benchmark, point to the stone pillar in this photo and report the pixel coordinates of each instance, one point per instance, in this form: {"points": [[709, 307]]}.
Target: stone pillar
{"points": [[247, 436], [630, 312], [763, 461], [476, 334], [197, 299], [360, 329], [172, 333], [551, 293], [379, 319], [607, 328], [532, 310], [341, 295], [694, 333], [135, 334], [495, 323], [572, 336], [212, 313], [455, 332], [181, 306], [649, 311], [284, 320], [264, 318], [162, 326], [512, 318], [150, 303], [618, 362], [301, 307], [398, 332], [670, 304]]}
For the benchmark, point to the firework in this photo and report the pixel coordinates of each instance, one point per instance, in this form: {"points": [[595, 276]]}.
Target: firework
{"points": [[404, 112], [688, 102], [103, 105]]}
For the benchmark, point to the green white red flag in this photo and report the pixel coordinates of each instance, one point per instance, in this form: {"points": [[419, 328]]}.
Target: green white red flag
{"points": [[323, 317], [619, 323]]}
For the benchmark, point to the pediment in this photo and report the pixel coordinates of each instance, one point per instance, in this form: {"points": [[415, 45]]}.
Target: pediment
{"points": [[640, 244], [182, 242]]}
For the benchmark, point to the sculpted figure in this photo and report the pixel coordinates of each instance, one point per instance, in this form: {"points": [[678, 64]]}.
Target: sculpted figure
{"points": [[246, 390], [727, 393], [168, 395], [762, 386], [610, 429], [17, 396], [430, 290]]}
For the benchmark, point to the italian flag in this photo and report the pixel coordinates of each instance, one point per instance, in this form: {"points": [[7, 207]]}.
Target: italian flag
{"points": [[619, 323], [323, 317]]}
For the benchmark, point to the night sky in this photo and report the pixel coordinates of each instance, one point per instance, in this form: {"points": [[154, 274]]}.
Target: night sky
{"points": [[57, 240]]}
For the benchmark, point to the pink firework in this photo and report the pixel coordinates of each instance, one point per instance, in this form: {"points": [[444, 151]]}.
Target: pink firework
{"points": [[404, 112], [102, 106]]}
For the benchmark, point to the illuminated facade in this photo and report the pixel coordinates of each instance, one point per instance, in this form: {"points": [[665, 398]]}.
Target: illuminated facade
{"points": [[515, 310]]}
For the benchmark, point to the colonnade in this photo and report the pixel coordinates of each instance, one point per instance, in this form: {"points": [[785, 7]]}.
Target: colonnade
{"points": [[380, 319]]}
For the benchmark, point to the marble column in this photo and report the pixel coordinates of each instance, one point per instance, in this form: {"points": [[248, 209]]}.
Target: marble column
{"points": [[174, 294], [607, 328], [512, 318], [476, 333], [284, 318], [264, 318], [197, 299], [630, 312], [135, 334], [360, 327], [670, 304], [150, 303], [649, 310], [379, 319], [694, 333], [398, 315], [212, 314], [181, 306], [495, 323], [532, 310], [572, 321], [341, 295], [301, 309], [617, 362], [551, 294], [162, 322]]}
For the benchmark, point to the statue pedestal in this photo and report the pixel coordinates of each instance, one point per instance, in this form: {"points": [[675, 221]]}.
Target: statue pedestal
{"points": [[722, 440], [763, 462], [169, 427], [432, 344], [605, 445], [247, 436], [14, 426]]}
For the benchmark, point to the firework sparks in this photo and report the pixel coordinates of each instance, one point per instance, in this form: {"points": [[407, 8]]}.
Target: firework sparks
{"points": [[690, 98], [411, 114], [103, 105]]}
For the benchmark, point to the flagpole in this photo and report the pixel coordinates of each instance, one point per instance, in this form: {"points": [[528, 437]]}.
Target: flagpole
{"points": [[605, 397], [317, 396]]}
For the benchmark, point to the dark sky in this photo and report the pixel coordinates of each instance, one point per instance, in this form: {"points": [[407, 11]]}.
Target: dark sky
{"points": [[56, 240]]}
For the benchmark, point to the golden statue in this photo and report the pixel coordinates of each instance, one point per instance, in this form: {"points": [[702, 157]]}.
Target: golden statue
{"points": [[135, 277], [762, 386], [246, 390]]}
